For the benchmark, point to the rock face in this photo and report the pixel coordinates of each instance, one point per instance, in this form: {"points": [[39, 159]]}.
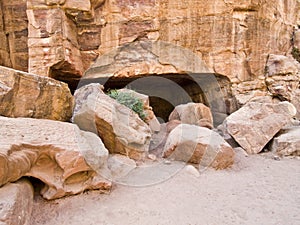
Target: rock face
{"points": [[282, 76], [190, 143], [65, 37], [121, 129], [255, 124], [287, 142], [14, 34], [16, 200], [27, 95], [194, 114], [66, 159]]}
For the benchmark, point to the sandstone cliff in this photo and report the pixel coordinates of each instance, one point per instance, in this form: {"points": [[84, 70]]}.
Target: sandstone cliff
{"points": [[62, 38]]}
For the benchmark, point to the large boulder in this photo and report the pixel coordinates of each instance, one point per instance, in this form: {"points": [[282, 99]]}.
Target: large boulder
{"points": [[287, 142], [16, 201], [193, 113], [199, 145], [27, 95], [65, 158], [150, 117], [120, 128], [255, 124]]}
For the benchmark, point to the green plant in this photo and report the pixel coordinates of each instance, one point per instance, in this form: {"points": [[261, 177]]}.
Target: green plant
{"points": [[130, 101], [296, 53]]}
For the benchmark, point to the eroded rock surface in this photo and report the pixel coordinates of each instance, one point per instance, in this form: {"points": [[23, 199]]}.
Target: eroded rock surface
{"points": [[66, 159], [200, 145], [255, 124], [27, 95], [121, 129], [282, 76], [65, 37], [16, 201]]}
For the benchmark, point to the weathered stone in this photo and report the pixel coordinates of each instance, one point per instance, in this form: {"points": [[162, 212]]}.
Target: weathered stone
{"points": [[27, 95], [281, 65], [244, 33], [121, 129], [55, 45], [15, 29], [16, 201], [150, 118], [78, 5], [255, 124], [282, 76], [161, 58], [287, 142], [66, 159], [194, 144], [194, 114]]}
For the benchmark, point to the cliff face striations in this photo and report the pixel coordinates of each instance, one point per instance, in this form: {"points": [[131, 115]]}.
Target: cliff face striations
{"points": [[62, 38]]}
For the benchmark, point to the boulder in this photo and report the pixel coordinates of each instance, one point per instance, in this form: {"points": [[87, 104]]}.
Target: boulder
{"points": [[27, 95], [287, 142], [194, 114], [199, 145], [16, 201], [150, 118], [120, 128], [65, 158], [255, 124]]}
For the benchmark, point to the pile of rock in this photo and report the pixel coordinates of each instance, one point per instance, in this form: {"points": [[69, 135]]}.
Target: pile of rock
{"points": [[81, 142]]}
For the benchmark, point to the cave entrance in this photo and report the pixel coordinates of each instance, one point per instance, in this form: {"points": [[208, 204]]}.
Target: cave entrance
{"points": [[169, 90]]}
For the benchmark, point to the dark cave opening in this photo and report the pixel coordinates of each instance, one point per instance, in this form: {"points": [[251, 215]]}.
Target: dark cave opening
{"points": [[169, 90]]}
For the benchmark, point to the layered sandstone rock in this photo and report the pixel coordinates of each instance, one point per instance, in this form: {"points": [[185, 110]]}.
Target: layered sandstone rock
{"points": [[121, 129], [194, 114], [287, 142], [190, 143], [255, 124], [242, 32], [16, 201], [27, 95], [66, 159], [14, 34]]}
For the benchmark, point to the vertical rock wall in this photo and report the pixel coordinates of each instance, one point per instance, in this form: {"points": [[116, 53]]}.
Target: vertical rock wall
{"points": [[14, 34], [64, 37]]}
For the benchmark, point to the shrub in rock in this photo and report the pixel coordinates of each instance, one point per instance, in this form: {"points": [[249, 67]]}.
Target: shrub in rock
{"points": [[130, 101]]}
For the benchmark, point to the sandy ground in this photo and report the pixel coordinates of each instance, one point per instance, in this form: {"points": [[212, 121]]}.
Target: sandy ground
{"points": [[256, 190]]}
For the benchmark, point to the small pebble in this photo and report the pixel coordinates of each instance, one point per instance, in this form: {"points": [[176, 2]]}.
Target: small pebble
{"points": [[276, 157], [192, 170], [168, 162]]}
